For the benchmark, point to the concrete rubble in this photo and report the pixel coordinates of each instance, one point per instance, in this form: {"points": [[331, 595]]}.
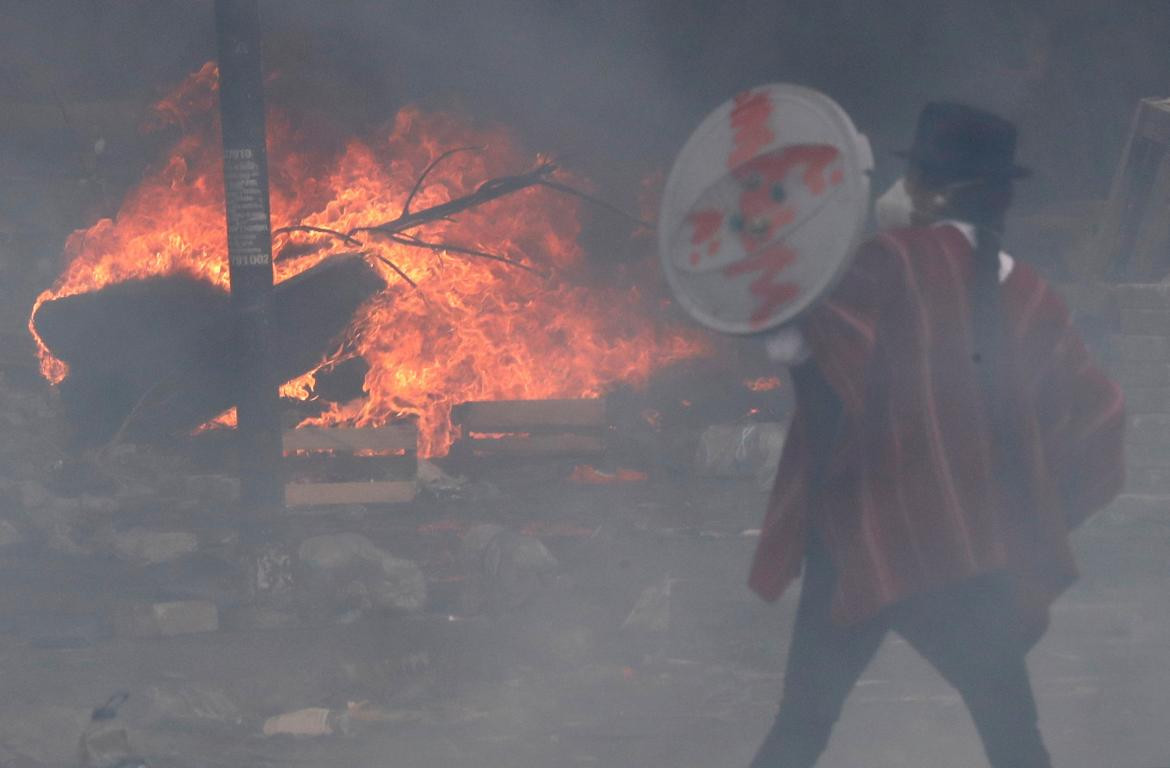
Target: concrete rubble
{"points": [[503, 569], [183, 704], [139, 545], [105, 743], [507, 616], [740, 450], [167, 619], [652, 611], [349, 573]]}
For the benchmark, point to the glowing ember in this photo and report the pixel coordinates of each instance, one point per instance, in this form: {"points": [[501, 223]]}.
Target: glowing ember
{"points": [[763, 384], [652, 417], [475, 329]]}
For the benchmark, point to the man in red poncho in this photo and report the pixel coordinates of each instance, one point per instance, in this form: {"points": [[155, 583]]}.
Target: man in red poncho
{"points": [[950, 431]]}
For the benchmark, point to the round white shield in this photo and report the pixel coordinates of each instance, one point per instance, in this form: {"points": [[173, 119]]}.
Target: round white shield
{"points": [[763, 208]]}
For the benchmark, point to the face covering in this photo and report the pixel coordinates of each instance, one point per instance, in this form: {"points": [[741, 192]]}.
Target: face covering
{"points": [[894, 208]]}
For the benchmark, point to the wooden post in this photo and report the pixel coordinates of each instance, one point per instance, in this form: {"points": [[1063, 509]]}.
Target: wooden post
{"points": [[245, 165]]}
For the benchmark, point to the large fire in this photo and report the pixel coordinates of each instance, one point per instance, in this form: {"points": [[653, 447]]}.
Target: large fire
{"points": [[473, 329]]}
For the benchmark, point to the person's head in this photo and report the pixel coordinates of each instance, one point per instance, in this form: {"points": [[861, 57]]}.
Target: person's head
{"points": [[961, 166], [936, 198]]}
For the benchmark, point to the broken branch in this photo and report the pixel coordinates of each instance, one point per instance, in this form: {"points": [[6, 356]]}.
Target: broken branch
{"points": [[426, 172], [566, 189], [348, 239], [486, 192], [459, 249], [492, 189], [397, 269]]}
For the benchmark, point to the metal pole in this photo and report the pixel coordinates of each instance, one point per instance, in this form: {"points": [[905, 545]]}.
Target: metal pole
{"points": [[245, 170]]}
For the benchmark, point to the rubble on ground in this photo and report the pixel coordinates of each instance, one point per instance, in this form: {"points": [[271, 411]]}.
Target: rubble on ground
{"points": [[165, 619], [503, 569], [346, 574], [186, 705], [146, 547]]}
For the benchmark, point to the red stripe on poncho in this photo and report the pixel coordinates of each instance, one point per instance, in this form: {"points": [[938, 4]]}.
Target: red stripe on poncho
{"points": [[911, 501]]}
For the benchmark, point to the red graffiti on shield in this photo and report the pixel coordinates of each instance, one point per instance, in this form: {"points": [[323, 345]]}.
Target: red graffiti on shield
{"points": [[765, 208], [750, 115]]}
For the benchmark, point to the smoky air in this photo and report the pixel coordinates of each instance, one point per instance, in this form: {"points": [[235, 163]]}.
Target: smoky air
{"points": [[418, 383]]}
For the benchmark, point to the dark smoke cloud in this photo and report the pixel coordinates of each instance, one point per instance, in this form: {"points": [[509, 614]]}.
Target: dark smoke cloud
{"points": [[616, 85]]}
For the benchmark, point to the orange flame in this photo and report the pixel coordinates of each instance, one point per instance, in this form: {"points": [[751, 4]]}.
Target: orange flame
{"points": [[474, 329]]}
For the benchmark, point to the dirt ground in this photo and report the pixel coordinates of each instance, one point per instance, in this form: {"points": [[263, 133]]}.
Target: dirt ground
{"points": [[563, 679]]}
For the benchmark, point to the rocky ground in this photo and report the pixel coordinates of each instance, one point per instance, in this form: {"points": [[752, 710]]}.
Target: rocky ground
{"points": [[509, 617]]}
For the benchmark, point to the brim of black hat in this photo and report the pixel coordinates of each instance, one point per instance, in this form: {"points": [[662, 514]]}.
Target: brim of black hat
{"points": [[1011, 172]]}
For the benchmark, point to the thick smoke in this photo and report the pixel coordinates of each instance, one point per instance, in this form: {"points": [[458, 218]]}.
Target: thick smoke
{"points": [[615, 87], [611, 88]]}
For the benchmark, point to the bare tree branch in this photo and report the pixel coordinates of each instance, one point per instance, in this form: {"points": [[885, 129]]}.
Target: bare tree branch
{"points": [[486, 192], [294, 250], [426, 172], [348, 239], [459, 249], [397, 269], [492, 189], [566, 189]]}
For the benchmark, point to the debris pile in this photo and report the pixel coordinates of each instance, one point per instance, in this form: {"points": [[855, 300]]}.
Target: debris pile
{"points": [[346, 575]]}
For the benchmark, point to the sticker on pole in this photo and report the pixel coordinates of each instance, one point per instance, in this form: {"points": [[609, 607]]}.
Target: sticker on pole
{"points": [[763, 208]]}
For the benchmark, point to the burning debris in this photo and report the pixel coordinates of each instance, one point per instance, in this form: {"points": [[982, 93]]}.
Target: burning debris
{"points": [[157, 356], [351, 465], [456, 323], [520, 497]]}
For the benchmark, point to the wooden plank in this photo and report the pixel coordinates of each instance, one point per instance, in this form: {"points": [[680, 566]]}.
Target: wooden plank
{"points": [[393, 437], [537, 445], [328, 494], [528, 415], [322, 467]]}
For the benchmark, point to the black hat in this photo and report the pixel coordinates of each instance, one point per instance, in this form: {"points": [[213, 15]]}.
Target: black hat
{"points": [[955, 142]]}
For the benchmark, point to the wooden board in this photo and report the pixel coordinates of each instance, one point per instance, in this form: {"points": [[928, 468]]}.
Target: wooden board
{"points": [[531, 415], [330, 467], [350, 477], [328, 494], [393, 437], [537, 445]]}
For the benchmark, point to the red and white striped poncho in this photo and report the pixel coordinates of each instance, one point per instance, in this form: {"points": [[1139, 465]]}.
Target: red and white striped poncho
{"points": [[911, 500]]}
